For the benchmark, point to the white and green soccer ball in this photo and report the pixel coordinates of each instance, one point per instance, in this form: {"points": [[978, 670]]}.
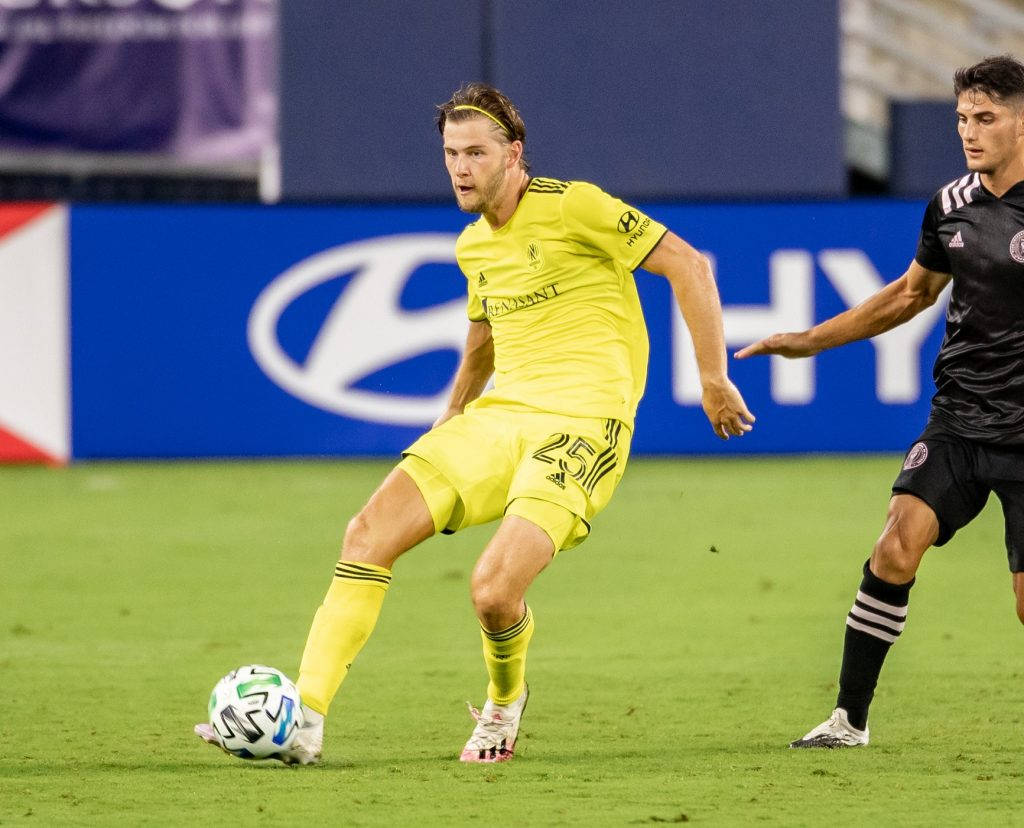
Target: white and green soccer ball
{"points": [[256, 711]]}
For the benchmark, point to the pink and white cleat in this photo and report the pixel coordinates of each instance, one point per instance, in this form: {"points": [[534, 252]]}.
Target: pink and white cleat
{"points": [[497, 728]]}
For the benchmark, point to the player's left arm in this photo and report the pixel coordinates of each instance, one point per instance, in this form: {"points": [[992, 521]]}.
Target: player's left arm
{"points": [[474, 370], [892, 305], [689, 273]]}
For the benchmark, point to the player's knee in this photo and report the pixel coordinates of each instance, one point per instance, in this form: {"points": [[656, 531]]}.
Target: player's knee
{"points": [[488, 602], [1020, 602], [894, 559], [357, 543], [493, 604]]}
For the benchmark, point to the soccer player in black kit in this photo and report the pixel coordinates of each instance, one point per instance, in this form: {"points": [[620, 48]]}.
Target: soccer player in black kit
{"points": [[973, 443]]}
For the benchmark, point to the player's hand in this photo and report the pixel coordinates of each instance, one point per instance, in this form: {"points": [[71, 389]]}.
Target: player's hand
{"points": [[726, 410], [790, 345]]}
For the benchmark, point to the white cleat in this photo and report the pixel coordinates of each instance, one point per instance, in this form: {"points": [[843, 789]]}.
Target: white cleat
{"points": [[497, 729], [837, 732], [309, 741], [305, 749]]}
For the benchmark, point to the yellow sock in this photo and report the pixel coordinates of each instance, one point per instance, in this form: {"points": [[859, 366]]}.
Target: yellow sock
{"points": [[340, 628], [505, 657]]}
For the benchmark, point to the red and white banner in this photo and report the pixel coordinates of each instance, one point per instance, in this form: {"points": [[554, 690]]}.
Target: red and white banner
{"points": [[34, 341]]}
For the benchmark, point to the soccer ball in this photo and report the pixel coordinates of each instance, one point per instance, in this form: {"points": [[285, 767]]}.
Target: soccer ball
{"points": [[256, 711]]}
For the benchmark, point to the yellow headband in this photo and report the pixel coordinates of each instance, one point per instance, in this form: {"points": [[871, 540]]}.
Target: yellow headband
{"points": [[504, 128]]}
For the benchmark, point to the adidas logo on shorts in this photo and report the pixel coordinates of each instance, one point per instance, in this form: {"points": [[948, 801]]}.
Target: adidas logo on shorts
{"points": [[558, 478]]}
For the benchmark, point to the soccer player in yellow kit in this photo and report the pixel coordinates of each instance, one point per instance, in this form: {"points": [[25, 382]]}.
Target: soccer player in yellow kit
{"points": [[555, 318]]}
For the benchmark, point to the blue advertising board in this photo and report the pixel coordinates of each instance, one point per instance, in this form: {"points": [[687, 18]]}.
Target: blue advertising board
{"points": [[264, 331]]}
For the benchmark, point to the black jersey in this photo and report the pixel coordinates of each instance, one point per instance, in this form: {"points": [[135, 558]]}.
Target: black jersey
{"points": [[979, 372]]}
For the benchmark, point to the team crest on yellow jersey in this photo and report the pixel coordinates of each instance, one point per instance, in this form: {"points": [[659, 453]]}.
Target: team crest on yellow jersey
{"points": [[534, 256]]}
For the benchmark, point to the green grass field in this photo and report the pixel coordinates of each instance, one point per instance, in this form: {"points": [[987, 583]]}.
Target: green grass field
{"points": [[676, 654]]}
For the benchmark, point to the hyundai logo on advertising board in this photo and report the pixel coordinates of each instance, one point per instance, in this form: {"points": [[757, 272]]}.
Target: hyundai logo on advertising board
{"points": [[364, 331], [308, 330]]}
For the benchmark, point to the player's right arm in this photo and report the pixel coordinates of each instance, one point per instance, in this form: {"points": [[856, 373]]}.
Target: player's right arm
{"points": [[893, 305], [474, 371], [693, 285]]}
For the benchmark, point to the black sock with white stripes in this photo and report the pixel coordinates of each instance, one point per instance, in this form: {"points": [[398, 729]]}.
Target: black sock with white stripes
{"points": [[874, 623]]}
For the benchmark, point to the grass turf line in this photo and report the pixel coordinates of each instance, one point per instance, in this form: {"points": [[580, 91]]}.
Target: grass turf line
{"points": [[677, 651]]}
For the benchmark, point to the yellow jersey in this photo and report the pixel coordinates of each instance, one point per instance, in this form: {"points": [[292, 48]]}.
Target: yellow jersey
{"points": [[556, 284]]}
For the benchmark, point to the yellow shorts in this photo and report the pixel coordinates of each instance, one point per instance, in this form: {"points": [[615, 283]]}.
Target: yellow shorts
{"points": [[553, 470]]}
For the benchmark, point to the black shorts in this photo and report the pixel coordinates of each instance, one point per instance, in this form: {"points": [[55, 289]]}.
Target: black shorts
{"points": [[955, 475]]}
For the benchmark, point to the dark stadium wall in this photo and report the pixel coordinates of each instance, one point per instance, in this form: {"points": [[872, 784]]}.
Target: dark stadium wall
{"points": [[925, 150], [725, 99]]}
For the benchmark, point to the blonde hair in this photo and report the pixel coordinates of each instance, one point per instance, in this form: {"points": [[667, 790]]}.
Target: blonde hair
{"points": [[475, 100]]}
